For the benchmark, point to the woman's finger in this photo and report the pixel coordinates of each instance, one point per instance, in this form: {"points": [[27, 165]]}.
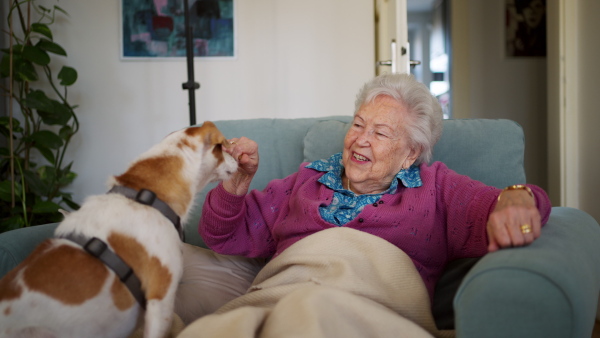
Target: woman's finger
{"points": [[497, 231], [492, 243]]}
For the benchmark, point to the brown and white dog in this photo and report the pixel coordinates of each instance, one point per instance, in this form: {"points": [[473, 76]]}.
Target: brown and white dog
{"points": [[61, 290]]}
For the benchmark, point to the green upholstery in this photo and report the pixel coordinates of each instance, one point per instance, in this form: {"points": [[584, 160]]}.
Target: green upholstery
{"points": [[548, 289]]}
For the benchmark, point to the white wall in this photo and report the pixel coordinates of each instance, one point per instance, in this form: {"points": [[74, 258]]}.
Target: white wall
{"points": [[294, 59], [486, 84]]}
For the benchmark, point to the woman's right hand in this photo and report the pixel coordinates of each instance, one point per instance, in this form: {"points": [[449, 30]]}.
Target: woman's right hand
{"points": [[245, 151]]}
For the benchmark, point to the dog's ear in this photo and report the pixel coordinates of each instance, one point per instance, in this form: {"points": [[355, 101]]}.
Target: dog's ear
{"points": [[209, 134], [212, 135]]}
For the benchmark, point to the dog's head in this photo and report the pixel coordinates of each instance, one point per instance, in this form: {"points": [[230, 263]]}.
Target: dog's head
{"points": [[216, 164], [181, 165]]}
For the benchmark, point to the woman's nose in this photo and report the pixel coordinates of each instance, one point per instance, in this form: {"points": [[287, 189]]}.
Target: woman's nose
{"points": [[363, 138]]}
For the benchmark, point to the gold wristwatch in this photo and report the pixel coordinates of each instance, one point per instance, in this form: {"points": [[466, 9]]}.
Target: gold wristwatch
{"points": [[517, 187]]}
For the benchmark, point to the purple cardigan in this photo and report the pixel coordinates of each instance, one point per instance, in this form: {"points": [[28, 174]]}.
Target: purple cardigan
{"points": [[442, 220]]}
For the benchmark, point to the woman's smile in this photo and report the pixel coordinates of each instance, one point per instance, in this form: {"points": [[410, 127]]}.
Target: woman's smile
{"points": [[359, 158]]}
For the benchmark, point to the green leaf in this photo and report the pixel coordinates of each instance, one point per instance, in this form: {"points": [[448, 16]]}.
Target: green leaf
{"points": [[58, 114], [37, 99], [5, 124], [25, 71], [5, 65], [47, 173], [36, 55], [44, 207], [51, 47], [67, 75], [46, 152], [65, 132], [61, 10], [47, 138], [67, 179], [12, 223], [17, 49], [5, 191], [67, 199], [35, 183], [42, 29], [71, 204]]}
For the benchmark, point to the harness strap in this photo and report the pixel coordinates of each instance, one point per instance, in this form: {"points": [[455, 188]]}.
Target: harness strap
{"points": [[149, 198], [100, 250]]}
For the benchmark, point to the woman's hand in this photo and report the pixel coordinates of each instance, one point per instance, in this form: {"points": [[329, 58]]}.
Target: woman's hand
{"points": [[245, 151], [515, 221]]}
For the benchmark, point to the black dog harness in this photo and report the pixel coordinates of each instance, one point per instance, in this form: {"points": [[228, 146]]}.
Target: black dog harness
{"points": [[147, 197], [100, 249]]}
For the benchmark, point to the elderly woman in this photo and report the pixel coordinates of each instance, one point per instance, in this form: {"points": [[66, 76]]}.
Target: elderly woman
{"points": [[381, 183]]}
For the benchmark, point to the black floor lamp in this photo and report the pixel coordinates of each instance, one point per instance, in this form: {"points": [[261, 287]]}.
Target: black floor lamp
{"points": [[191, 85]]}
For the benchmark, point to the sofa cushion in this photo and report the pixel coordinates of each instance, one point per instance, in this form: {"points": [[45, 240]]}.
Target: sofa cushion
{"points": [[472, 147], [324, 139]]}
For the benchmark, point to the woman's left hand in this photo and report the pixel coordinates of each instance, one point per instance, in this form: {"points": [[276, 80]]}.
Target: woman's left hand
{"points": [[515, 221]]}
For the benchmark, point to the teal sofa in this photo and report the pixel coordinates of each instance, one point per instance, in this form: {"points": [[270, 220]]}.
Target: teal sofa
{"points": [[547, 289]]}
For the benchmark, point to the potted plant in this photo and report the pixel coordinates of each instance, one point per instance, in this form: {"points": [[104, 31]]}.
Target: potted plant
{"points": [[39, 122]]}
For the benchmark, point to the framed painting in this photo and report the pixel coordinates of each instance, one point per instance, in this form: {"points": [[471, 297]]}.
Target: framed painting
{"points": [[525, 28], [152, 29]]}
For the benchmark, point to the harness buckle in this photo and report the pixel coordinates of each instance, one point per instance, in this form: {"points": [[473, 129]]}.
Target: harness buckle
{"points": [[146, 197], [95, 247]]}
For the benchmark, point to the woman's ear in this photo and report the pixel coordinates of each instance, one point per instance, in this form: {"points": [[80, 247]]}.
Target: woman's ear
{"points": [[411, 158]]}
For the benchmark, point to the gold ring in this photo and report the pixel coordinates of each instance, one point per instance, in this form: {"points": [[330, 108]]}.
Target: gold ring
{"points": [[233, 142], [526, 228]]}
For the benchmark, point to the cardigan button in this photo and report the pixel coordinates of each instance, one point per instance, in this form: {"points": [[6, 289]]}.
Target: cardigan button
{"points": [[360, 220], [375, 204], [380, 202]]}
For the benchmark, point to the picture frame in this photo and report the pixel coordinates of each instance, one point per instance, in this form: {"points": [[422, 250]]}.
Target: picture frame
{"points": [[155, 29], [525, 28]]}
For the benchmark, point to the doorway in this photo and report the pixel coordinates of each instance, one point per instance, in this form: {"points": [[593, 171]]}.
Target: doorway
{"points": [[428, 35], [429, 38]]}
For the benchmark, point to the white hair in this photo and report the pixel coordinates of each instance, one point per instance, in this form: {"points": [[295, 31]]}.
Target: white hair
{"points": [[424, 111]]}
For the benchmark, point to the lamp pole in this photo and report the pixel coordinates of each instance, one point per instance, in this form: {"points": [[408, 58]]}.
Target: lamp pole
{"points": [[191, 85]]}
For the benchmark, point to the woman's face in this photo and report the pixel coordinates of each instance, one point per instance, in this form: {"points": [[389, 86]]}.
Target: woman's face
{"points": [[376, 146]]}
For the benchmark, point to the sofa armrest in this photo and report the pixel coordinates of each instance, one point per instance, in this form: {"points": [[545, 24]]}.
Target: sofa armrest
{"points": [[16, 245], [547, 289]]}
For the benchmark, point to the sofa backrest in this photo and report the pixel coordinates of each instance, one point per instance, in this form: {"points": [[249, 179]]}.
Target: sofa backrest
{"points": [[491, 151]]}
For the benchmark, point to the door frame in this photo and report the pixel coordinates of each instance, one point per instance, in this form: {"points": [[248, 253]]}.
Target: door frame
{"points": [[563, 103]]}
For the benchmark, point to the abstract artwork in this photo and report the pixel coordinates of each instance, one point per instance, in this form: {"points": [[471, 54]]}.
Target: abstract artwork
{"points": [[156, 28]]}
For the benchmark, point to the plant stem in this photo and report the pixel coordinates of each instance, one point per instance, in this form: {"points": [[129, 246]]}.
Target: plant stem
{"points": [[10, 118], [23, 195]]}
